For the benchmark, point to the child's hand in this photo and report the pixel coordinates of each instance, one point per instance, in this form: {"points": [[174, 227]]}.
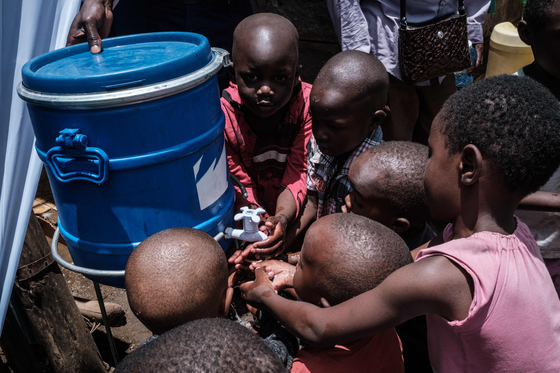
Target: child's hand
{"points": [[242, 258], [254, 291], [281, 273], [272, 246]]}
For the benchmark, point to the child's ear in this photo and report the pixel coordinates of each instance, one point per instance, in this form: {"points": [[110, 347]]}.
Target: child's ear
{"points": [[231, 72], [470, 165], [400, 225], [524, 32], [226, 302], [378, 118]]}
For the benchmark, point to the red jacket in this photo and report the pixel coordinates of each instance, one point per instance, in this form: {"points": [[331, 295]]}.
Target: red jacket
{"points": [[264, 165]]}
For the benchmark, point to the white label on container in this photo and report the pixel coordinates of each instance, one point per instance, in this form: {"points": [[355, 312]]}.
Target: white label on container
{"points": [[213, 183]]}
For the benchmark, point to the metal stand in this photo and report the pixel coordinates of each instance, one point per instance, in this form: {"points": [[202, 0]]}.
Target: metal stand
{"points": [[106, 323], [90, 272]]}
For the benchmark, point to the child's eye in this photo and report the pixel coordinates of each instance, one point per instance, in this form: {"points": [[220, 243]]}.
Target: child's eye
{"points": [[280, 78], [251, 77]]}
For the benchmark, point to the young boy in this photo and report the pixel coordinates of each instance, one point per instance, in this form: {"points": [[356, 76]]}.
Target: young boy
{"points": [[179, 275], [490, 304], [267, 122], [540, 28], [388, 186], [344, 255], [175, 276], [347, 102], [207, 345], [347, 106]]}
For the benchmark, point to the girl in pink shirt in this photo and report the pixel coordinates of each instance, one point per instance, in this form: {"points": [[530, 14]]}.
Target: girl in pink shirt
{"points": [[490, 304]]}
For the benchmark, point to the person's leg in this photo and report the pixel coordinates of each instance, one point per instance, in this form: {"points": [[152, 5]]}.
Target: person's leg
{"points": [[403, 104], [432, 98]]}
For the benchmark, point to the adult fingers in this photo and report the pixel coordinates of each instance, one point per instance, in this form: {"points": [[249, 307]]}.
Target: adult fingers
{"points": [[93, 38]]}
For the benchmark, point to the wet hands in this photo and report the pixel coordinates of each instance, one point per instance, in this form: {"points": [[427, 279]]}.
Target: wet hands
{"points": [[273, 246], [91, 24], [254, 291], [280, 273]]}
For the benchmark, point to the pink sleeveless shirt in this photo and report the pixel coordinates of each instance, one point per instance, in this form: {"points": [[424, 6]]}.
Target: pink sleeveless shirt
{"points": [[513, 323]]}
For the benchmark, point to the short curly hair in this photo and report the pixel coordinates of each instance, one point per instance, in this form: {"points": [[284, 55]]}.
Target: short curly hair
{"points": [[512, 120], [395, 170], [536, 13], [361, 253], [206, 345]]}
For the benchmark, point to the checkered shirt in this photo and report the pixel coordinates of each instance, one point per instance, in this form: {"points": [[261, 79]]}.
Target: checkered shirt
{"points": [[330, 183]]}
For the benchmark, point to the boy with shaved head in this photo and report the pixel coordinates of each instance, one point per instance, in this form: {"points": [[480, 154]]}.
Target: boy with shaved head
{"points": [[388, 187], [267, 123], [347, 106], [175, 276], [344, 255]]}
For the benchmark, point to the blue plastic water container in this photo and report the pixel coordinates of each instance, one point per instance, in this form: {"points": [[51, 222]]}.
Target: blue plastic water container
{"points": [[133, 142]]}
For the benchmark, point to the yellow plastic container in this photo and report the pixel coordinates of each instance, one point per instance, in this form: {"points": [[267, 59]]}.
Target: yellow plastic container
{"points": [[507, 52]]}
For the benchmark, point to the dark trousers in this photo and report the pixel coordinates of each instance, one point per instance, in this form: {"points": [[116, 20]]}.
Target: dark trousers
{"points": [[413, 108]]}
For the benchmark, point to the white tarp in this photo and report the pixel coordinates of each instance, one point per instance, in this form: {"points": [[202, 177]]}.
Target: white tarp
{"points": [[29, 28]]}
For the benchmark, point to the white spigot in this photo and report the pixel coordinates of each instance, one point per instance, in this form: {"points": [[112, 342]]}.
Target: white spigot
{"points": [[250, 231]]}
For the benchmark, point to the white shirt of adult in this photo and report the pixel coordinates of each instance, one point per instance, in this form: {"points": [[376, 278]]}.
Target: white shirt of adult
{"points": [[372, 26]]}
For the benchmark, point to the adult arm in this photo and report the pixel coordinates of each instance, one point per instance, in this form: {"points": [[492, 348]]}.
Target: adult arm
{"points": [[92, 23], [434, 285], [476, 11], [541, 201], [350, 24]]}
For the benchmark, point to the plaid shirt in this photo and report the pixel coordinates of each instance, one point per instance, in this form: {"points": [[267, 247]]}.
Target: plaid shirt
{"points": [[329, 180]]}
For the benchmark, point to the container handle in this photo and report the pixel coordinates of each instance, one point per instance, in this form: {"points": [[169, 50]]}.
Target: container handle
{"points": [[74, 160]]}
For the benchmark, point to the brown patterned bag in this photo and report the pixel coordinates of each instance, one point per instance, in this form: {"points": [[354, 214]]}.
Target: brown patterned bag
{"points": [[434, 50]]}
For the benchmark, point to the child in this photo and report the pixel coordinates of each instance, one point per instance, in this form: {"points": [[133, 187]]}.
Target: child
{"points": [[267, 122], [490, 304], [347, 102], [175, 276], [540, 28], [208, 345], [347, 106], [179, 275], [388, 186], [344, 255]]}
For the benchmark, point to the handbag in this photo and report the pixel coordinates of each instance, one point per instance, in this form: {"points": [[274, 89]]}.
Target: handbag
{"points": [[434, 50]]}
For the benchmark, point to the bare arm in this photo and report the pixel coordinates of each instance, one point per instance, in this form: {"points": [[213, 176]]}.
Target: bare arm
{"points": [[92, 23], [431, 286], [541, 201], [277, 225], [306, 217]]}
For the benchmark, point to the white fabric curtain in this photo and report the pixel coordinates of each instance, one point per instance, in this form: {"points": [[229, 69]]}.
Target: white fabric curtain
{"points": [[29, 28]]}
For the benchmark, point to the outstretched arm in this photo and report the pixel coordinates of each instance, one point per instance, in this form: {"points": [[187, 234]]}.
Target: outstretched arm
{"points": [[92, 23], [431, 286]]}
